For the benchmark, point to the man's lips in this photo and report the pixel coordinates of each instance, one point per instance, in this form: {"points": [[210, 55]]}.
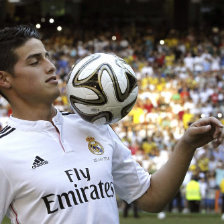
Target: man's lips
{"points": [[52, 79]]}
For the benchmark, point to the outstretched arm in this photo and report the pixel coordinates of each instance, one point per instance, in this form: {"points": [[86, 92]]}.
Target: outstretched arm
{"points": [[166, 181]]}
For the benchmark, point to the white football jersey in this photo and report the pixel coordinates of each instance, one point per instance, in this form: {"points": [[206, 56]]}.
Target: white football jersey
{"points": [[65, 172]]}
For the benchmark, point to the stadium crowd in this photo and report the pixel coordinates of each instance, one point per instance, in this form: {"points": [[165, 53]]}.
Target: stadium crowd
{"points": [[180, 78]]}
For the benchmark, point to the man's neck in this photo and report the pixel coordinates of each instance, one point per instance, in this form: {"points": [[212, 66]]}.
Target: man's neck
{"points": [[34, 114]]}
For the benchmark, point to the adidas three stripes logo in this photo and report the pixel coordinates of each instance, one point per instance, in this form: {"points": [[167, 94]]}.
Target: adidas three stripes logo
{"points": [[6, 130]]}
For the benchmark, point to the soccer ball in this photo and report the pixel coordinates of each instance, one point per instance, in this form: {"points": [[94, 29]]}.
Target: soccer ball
{"points": [[102, 88], [161, 215]]}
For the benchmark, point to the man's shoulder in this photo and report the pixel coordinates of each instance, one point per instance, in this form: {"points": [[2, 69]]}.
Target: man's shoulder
{"points": [[7, 139], [6, 132], [66, 113], [69, 115], [73, 119]]}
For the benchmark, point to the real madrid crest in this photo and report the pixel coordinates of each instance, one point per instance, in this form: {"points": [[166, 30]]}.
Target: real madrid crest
{"points": [[94, 146]]}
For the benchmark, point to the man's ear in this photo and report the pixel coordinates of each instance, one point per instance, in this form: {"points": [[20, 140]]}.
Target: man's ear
{"points": [[4, 80]]}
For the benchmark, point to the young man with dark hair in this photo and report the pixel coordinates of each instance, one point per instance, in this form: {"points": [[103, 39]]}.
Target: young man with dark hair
{"points": [[49, 170]]}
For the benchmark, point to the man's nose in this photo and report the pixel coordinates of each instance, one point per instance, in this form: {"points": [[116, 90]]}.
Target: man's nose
{"points": [[50, 66]]}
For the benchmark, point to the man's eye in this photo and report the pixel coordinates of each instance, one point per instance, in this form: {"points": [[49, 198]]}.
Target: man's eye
{"points": [[34, 63]]}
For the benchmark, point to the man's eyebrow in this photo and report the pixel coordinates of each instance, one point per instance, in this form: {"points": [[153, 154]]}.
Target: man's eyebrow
{"points": [[37, 55]]}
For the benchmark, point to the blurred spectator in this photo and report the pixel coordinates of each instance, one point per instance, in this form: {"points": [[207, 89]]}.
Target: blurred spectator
{"points": [[193, 195], [211, 192], [204, 191], [128, 206]]}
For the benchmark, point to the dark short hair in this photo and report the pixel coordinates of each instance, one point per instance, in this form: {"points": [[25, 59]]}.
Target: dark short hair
{"points": [[12, 38]]}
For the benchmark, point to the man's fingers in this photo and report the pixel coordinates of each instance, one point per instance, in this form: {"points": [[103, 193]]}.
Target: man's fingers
{"points": [[204, 129], [207, 121], [218, 132], [200, 130], [206, 124]]}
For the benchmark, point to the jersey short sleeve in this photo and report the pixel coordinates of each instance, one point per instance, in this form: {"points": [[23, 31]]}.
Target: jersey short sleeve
{"points": [[131, 181]]}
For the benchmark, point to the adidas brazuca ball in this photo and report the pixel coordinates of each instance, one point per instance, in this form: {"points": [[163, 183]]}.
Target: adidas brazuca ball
{"points": [[102, 88]]}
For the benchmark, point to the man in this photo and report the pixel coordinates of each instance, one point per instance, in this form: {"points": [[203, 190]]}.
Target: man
{"points": [[193, 194], [56, 168]]}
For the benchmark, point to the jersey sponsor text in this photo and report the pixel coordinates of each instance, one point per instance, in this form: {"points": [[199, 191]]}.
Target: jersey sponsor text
{"points": [[78, 195]]}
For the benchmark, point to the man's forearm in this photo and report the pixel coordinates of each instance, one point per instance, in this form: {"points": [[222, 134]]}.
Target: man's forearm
{"points": [[166, 181]]}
